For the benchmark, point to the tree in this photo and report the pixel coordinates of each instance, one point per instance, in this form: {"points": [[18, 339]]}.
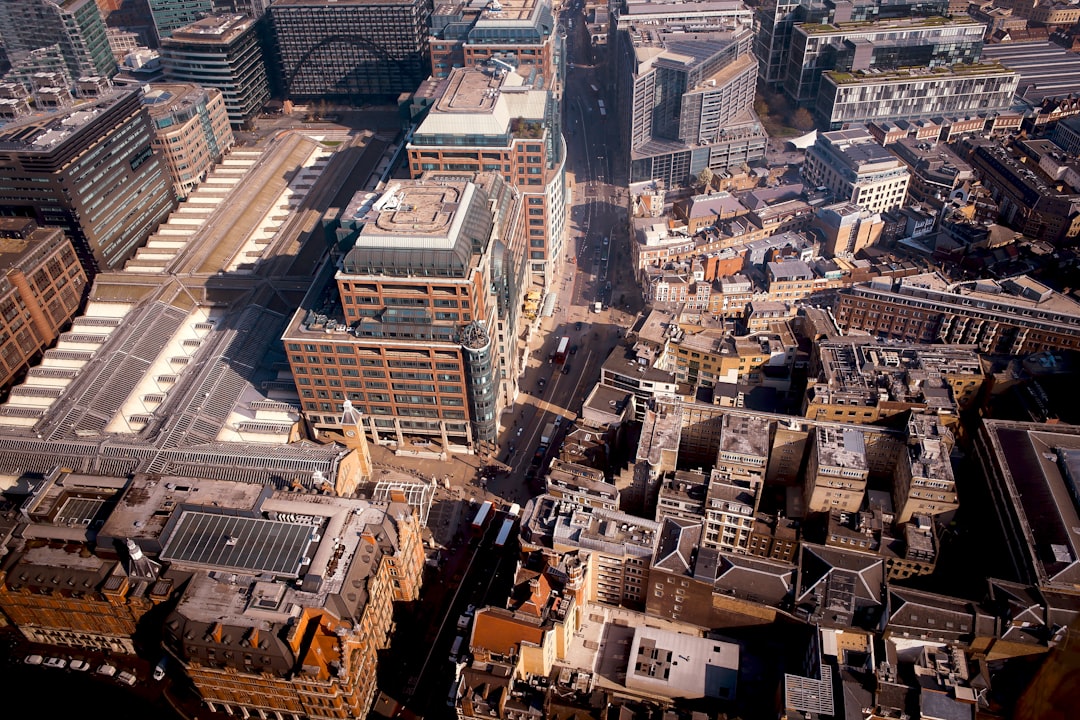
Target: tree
{"points": [[802, 120], [704, 178]]}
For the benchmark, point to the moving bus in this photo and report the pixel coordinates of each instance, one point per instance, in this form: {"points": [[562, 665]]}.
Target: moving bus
{"points": [[560, 353], [483, 517]]}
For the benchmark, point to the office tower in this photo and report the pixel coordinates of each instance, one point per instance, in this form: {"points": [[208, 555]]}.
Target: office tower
{"points": [[191, 131], [89, 169], [776, 20], [856, 169], [40, 274], [685, 100], [518, 32], [490, 120], [885, 45], [169, 15], [852, 98], [223, 52], [344, 48], [417, 329], [74, 25]]}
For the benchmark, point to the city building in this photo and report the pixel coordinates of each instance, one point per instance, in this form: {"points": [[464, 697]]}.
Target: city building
{"points": [[714, 357], [623, 371], [936, 171], [175, 363], [865, 381], [1032, 472], [344, 48], [74, 25], [776, 20], [1027, 202], [41, 288], [492, 120], [855, 168], [223, 52], [295, 631], [520, 33], [923, 483], [848, 98], [580, 484], [536, 627], [685, 102], [417, 328], [681, 666], [191, 131], [846, 228], [836, 469], [1017, 316], [616, 547], [169, 15], [56, 589], [57, 173], [932, 42]]}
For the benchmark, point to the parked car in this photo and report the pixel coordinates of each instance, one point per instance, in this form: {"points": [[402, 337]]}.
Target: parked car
{"points": [[33, 659], [577, 325], [159, 669], [107, 670], [126, 678], [79, 665], [58, 663], [565, 369]]}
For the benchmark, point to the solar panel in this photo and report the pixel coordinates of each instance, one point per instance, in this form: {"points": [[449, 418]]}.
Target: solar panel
{"points": [[253, 545]]}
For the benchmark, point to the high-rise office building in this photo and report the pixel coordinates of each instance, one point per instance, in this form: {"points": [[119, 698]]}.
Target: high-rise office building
{"points": [[191, 131], [885, 45], [74, 25], [417, 329], [492, 121], [344, 48], [685, 100], [169, 15], [776, 20], [518, 32], [851, 98], [223, 52], [90, 170]]}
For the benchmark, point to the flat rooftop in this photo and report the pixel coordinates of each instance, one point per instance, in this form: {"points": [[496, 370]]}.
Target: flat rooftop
{"points": [[745, 435], [1041, 464], [471, 91], [677, 665], [254, 545], [845, 448], [417, 209], [40, 131], [212, 29]]}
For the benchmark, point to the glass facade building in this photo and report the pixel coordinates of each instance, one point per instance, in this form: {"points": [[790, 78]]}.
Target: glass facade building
{"points": [[687, 100], [92, 171], [886, 45], [223, 52], [852, 98], [344, 48], [74, 25]]}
